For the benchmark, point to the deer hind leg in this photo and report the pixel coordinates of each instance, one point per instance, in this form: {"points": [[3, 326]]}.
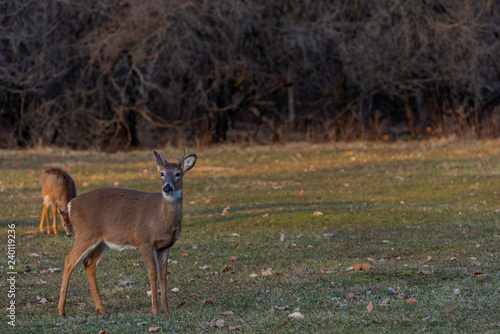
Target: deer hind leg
{"points": [[45, 215], [148, 254], [79, 250], [53, 204], [90, 262], [162, 262]]}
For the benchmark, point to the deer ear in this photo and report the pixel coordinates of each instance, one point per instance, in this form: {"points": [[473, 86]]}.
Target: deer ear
{"points": [[188, 162], [160, 160]]}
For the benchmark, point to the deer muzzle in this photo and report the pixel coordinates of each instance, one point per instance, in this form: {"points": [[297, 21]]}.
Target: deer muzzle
{"points": [[167, 189]]}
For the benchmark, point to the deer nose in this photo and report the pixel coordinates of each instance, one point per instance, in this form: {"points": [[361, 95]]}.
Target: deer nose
{"points": [[167, 188]]}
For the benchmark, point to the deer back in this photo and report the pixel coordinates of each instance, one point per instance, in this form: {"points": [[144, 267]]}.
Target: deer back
{"points": [[58, 184]]}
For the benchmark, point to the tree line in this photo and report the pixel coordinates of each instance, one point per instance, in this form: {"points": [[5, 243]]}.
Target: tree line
{"points": [[113, 74]]}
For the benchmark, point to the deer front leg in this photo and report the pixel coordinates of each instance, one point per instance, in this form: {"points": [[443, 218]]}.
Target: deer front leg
{"points": [[162, 261], [148, 254], [45, 216], [53, 203]]}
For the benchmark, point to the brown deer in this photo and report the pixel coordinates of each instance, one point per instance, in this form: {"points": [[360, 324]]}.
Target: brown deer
{"points": [[57, 187], [124, 219]]}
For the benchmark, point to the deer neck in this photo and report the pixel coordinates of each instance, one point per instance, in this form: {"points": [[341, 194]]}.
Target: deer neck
{"points": [[172, 209]]}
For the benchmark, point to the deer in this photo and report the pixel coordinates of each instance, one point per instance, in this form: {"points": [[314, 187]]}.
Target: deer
{"points": [[120, 219], [57, 188]]}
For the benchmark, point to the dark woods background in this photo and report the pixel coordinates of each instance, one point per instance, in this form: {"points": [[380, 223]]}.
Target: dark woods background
{"points": [[109, 74]]}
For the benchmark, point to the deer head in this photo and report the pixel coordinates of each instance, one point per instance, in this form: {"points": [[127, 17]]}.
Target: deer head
{"points": [[171, 174]]}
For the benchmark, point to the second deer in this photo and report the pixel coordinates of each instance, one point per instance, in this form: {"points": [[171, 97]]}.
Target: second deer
{"points": [[57, 187], [124, 219]]}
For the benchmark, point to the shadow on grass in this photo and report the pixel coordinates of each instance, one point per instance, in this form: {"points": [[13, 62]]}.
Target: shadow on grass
{"points": [[236, 212]]}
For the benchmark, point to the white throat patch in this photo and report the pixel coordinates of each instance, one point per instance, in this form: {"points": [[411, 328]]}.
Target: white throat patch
{"points": [[173, 196]]}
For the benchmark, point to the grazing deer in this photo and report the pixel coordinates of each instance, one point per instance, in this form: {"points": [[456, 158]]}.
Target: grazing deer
{"points": [[124, 219], [57, 187]]}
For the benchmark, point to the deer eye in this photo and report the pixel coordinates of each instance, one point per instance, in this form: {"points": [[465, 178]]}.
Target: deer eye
{"points": [[162, 174], [177, 174]]}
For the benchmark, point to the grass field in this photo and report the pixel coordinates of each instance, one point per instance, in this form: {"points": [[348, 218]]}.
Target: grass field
{"points": [[425, 217]]}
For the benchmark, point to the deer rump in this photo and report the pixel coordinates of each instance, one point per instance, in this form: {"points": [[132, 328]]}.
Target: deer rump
{"points": [[105, 214]]}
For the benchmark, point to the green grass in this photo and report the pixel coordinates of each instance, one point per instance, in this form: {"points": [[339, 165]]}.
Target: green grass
{"points": [[405, 206]]}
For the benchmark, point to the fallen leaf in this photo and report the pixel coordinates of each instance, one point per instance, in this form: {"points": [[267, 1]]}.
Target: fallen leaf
{"points": [[477, 275], [302, 193], [234, 258], [411, 301], [429, 258], [367, 267], [385, 302], [154, 329], [318, 213], [323, 302], [205, 267], [103, 332], [84, 320], [392, 291], [328, 235], [224, 211], [125, 282], [282, 237], [290, 270], [353, 295], [185, 254], [85, 184], [448, 309], [265, 216], [425, 272], [43, 301], [296, 315], [207, 201], [227, 313], [175, 290], [226, 269], [209, 302], [277, 187], [233, 328], [219, 323], [282, 308], [271, 310], [182, 303], [267, 272], [364, 266], [369, 308], [253, 275]]}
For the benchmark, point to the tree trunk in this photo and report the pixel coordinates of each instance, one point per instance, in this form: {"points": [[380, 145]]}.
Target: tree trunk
{"points": [[410, 116]]}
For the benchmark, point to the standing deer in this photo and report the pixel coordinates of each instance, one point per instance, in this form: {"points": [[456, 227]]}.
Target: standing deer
{"points": [[57, 187], [125, 219]]}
